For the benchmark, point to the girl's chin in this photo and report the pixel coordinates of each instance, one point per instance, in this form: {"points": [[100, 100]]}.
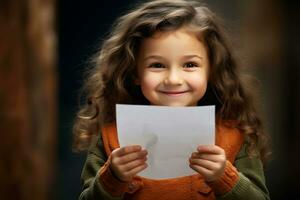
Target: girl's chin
{"points": [[175, 104]]}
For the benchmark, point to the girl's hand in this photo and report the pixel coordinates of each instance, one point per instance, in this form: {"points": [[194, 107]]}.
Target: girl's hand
{"points": [[127, 161], [209, 161]]}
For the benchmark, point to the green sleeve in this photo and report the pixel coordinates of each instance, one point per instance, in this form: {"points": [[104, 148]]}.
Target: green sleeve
{"points": [[251, 183], [92, 188]]}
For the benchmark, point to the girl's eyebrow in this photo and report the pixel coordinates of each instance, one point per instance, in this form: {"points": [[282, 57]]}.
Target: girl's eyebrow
{"points": [[153, 56], [185, 57], [193, 56]]}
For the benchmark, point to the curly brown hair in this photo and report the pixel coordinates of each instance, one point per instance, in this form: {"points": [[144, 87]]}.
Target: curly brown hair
{"points": [[111, 79]]}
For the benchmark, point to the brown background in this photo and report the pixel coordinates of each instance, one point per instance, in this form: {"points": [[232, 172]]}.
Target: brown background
{"points": [[44, 46]]}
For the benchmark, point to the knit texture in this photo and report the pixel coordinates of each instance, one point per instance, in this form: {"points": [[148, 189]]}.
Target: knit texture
{"points": [[188, 187]]}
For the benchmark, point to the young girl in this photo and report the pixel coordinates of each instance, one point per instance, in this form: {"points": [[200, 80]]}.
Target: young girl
{"points": [[170, 53]]}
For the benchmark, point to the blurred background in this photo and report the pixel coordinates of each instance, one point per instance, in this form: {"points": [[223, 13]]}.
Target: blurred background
{"points": [[44, 49]]}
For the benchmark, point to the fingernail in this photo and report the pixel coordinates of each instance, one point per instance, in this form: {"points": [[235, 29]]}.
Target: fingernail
{"points": [[138, 148]]}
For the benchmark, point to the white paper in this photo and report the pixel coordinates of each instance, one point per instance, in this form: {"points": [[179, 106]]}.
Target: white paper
{"points": [[170, 134]]}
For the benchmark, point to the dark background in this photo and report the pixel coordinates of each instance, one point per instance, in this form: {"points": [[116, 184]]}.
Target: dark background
{"points": [[265, 33]]}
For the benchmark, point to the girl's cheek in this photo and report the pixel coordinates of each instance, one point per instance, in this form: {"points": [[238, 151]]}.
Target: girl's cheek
{"points": [[150, 80], [198, 83]]}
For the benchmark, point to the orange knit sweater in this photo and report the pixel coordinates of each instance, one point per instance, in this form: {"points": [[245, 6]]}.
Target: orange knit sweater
{"points": [[188, 187]]}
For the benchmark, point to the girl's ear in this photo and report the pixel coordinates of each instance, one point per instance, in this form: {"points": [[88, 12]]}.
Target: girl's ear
{"points": [[137, 81]]}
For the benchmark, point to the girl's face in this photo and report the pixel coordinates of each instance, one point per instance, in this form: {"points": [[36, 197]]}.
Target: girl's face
{"points": [[173, 68]]}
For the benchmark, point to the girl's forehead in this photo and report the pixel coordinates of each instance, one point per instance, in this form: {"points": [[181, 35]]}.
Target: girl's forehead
{"points": [[176, 40], [183, 30]]}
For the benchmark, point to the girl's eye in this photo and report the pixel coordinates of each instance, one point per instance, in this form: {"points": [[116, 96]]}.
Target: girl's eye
{"points": [[190, 65], [156, 65]]}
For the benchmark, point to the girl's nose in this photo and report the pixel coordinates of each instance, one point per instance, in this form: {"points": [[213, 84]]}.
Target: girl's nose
{"points": [[173, 77]]}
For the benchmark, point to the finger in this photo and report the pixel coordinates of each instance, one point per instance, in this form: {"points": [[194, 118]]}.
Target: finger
{"points": [[133, 156], [131, 165], [136, 170], [211, 157], [204, 163], [127, 149], [213, 149], [201, 170]]}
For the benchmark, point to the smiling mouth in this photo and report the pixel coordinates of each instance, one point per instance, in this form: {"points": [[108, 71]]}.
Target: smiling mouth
{"points": [[173, 93]]}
